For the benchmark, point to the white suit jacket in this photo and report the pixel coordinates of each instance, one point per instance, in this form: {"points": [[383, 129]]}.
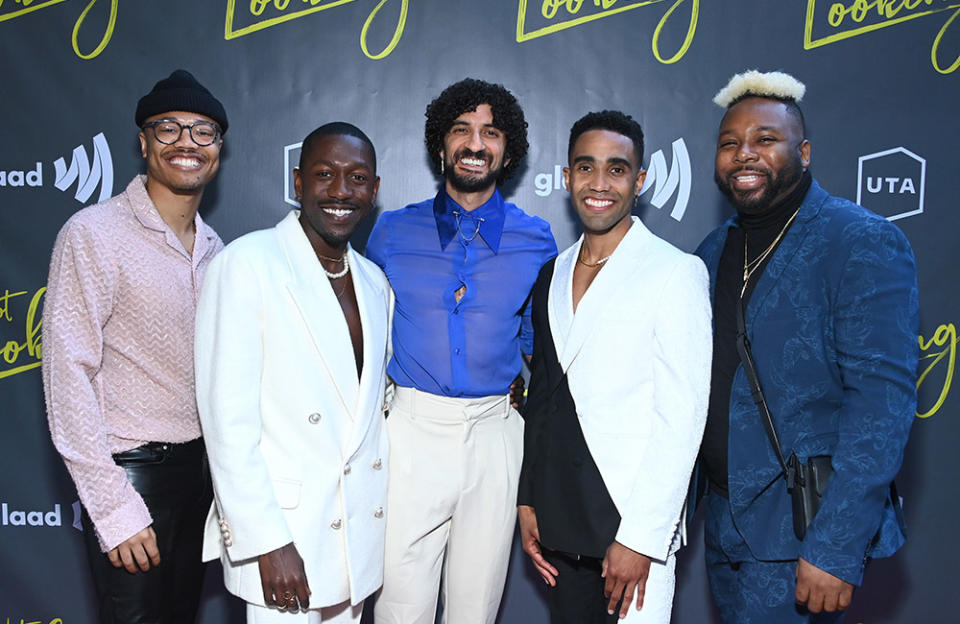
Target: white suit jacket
{"points": [[296, 442], [637, 356]]}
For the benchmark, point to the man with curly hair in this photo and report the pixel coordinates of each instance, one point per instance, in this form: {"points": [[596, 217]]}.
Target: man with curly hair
{"points": [[462, 265]]}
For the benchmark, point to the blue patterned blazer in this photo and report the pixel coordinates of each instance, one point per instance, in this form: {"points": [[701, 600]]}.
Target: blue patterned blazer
{"points": [[833, 327]]}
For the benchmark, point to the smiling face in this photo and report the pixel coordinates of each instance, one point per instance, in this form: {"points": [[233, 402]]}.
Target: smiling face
{"points": [[473, 152], [761, 154], [337, 184], [183, 168], [603, 179]]}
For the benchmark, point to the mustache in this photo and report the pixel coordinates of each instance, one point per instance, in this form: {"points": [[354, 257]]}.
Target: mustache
{"points": [[749, 169]]}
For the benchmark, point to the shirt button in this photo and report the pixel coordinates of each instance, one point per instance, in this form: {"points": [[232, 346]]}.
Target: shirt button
{"points": [[314, 418], [378, 512], [346, 469], [457, 351], [336, 524], [377, 465]]}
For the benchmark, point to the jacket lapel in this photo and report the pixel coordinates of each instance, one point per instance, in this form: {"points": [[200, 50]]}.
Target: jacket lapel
{"points": [[785, 252], [372, 304], [603, 291], [318, 305]]}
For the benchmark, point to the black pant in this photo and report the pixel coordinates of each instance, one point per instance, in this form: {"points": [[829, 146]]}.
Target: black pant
{"points": [[174, 481], [578, 597]]}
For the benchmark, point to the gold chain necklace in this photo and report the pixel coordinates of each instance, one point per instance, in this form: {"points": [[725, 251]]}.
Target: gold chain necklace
{"points": [[587, 264], [749, 268]]}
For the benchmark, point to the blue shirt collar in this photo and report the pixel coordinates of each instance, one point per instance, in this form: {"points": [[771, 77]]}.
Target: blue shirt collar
{"points": [[491, 227]]}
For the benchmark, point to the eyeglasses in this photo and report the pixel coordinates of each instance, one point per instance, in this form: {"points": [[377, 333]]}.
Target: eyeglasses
{"points": [[169, 132]]}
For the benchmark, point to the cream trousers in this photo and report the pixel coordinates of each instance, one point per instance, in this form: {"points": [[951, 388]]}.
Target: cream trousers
{"points": [[451, 507]]}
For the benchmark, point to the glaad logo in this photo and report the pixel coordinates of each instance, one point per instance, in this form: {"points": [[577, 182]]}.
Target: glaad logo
{"points": [[891, 183], [18, 517], [86, 176], [86, 173], [665, 182], [291, 158], [53, 517]]}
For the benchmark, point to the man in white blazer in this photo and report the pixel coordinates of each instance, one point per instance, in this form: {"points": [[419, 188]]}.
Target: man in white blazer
{"points": [[618, 394], [291, 347]]}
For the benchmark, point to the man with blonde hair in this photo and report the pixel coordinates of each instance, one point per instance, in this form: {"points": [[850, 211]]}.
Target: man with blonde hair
{"points": [[814, 372]]}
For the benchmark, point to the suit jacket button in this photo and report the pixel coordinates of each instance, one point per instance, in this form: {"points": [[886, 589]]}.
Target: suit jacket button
{"points": [[378, 512], [377, 465], [336, 524], [314, 418]]}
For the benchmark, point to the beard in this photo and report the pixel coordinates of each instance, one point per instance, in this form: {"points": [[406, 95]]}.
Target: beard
{"points": [[470, 184], [779, 184]]}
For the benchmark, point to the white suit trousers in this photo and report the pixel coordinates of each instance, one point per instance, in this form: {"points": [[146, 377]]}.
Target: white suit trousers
{"points": [[342, 613], [451, 507]]}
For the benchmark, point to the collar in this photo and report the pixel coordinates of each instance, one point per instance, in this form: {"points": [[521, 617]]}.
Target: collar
{"points": [[146, 211], [492, 212]]}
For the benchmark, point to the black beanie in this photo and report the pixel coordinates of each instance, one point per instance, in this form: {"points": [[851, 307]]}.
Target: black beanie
{"points": [[181, 92]]}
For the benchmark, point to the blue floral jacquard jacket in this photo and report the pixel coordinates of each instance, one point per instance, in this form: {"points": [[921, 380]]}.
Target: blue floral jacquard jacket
{"points": [[833, 328]]}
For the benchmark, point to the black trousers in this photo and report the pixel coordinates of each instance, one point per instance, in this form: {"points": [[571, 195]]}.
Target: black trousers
{"points": [[174, 481], [578, 597]]}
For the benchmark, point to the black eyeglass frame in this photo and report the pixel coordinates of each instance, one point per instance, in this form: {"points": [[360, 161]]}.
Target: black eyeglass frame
{"points": [[154, 124]]}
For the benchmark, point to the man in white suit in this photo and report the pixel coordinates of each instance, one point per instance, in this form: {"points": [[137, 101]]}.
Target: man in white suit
{"points": [[618, 394], [291, 348]]}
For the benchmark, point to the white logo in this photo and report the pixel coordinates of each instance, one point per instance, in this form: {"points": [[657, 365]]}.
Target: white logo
{"points": [[291, 159], [86, 176], [665, 182], [85, 173], [18, 517], [891, 183]]}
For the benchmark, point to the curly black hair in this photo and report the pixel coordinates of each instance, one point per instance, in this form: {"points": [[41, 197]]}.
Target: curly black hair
{"points": [[466, 96], [614, 121]]}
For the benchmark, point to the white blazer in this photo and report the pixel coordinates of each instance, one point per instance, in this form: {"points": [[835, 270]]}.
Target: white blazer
{"points": [[637, 354], [296, 442]]}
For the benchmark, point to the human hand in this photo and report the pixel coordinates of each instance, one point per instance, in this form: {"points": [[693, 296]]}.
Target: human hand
{"points": [[516, 392], [530, 540], [137, 552], [821, 591], [283, 579], [626, 572]]}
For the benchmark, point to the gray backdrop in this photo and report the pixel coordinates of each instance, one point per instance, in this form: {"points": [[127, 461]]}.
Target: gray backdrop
{"points": [[881, 107]]}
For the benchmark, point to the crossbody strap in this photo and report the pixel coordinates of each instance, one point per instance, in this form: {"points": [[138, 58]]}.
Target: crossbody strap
{"points": [[743, 348]]}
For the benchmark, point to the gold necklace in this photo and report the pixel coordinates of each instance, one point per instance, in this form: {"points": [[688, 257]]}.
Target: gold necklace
{"points": [[587, 264], [749, 268]]}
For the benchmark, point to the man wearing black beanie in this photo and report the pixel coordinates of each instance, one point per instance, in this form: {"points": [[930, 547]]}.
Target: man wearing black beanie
{"points": [[118, 362]]}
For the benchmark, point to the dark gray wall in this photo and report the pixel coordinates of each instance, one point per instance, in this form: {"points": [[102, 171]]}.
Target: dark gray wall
{"points": [[874, 85]]}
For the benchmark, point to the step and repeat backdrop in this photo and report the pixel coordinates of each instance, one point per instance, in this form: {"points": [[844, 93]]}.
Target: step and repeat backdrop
{"points": [[882, 90]]}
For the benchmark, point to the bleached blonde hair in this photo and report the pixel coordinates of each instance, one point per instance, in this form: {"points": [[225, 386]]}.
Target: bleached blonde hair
{"points": [[776, 85]]}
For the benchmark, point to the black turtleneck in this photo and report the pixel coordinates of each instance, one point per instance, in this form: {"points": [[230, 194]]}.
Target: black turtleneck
{"points": [[759, 230]]}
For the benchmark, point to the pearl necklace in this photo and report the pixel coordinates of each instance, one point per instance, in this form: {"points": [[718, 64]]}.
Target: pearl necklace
{"points": [[338, 274]]}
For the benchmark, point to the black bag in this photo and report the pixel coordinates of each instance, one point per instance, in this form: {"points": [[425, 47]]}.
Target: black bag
{"points": [[806, 482], [809, 481]]}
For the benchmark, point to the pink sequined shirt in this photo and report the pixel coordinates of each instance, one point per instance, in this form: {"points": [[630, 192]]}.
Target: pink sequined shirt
{"points": [[118, 324]]}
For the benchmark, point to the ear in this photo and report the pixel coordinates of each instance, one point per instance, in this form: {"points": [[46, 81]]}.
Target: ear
{"points": [[376, 189], [297, 183], [143, 144], [566, 178], [638, 183], [805, 153]]}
